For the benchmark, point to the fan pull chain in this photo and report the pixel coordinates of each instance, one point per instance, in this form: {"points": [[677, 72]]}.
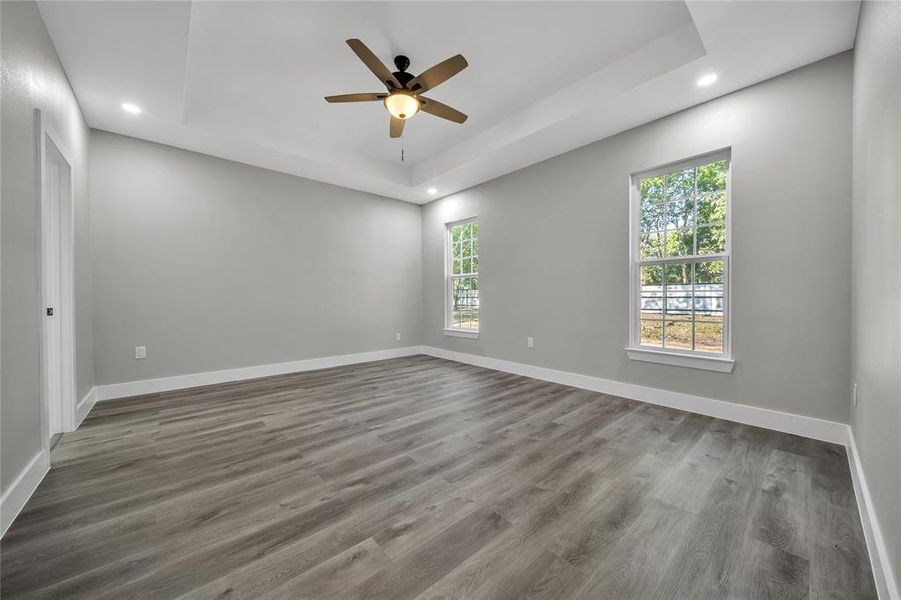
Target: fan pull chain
{"points": [[401, 148]]}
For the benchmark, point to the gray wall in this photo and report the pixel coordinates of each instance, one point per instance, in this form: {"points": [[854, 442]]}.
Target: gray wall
{"points": [[877, 262], [213, 264], [33, 78], [554, 248]]}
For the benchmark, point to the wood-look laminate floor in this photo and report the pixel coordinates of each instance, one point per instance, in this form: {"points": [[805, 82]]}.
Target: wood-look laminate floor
{"points": [[428, 479]]}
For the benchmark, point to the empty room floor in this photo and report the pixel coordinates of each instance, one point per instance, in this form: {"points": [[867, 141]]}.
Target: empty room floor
{"points": [[424, 478]]}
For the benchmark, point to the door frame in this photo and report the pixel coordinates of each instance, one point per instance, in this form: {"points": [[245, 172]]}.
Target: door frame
{"points": [[47, 135]]}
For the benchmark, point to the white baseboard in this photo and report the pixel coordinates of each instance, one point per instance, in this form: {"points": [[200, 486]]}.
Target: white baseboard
{"points": [[886, 584], [84, 406], [14, 498], [829, 431], [818, 429], [178, 382], [762, 417], [20, 490], [811, 427]]}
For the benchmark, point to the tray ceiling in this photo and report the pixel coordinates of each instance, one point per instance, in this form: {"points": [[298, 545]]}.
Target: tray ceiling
{"points": [[246, 80]]}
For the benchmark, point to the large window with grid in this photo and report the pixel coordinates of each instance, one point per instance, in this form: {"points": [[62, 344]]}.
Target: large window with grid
{"points": [[680, 258], [463, 276]]}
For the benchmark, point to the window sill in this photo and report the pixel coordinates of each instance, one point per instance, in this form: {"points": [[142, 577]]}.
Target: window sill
{"points": [[472, 334], [692, 361]]}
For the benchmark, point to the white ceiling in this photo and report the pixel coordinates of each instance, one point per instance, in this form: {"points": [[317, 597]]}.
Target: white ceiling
{"points": [[246, 80]]}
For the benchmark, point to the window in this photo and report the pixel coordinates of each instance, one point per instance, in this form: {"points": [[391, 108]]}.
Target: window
{"points": [[680, 264], [463, 278]]}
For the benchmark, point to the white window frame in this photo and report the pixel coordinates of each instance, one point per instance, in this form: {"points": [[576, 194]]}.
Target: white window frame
{"points": [[449, 277], [672, 356]]}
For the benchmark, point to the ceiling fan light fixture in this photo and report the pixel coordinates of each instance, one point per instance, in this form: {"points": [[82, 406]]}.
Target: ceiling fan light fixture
{"points": [[402, 105], [403, 99]]}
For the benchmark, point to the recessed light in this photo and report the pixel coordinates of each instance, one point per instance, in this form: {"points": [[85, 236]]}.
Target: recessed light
{"points": [[707, 79], [432, 191], [130, 108]]}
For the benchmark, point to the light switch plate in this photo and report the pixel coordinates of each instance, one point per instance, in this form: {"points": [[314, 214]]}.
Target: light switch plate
{"points": [[140, 352]]}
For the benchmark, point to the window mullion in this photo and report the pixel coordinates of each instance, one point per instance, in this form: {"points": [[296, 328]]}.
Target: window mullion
{"points": [[665, 218], [693, 277], [681, 259], [663, 308], [694, 245], [694, 211]]}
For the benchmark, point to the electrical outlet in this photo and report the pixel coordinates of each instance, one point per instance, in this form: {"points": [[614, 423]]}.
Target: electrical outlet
{"points": [[396, 337], [530, 342], [854, 395], [140, 352]]}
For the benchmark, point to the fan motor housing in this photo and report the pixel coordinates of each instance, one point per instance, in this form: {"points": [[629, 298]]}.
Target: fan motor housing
{"points": [[402, 63]]}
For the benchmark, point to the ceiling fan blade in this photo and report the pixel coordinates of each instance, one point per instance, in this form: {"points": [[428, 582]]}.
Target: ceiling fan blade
{"points": [[397, 127], [433, 107], [374, 64], [355, 97], [438, 74]]}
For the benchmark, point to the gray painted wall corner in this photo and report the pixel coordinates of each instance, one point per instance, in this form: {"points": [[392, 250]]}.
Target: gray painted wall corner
{"points": [[554, 248], [213, 264], [876, 344], [34, 78]]}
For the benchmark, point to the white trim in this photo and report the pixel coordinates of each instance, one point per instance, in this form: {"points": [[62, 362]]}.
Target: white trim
{"points": [[449, 276], [724, 153], [818, 429], [178, 382], [84, 406], [65, 312], [21, 489], [676, 359], [886, 584], [635, 262], [26, 483], [472, 334]]}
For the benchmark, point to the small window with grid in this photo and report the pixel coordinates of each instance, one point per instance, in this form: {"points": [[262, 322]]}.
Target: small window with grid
{"points": [[463, 276]]}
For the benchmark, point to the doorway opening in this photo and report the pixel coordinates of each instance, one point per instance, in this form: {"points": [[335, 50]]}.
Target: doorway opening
{"points": [[57, 282]]}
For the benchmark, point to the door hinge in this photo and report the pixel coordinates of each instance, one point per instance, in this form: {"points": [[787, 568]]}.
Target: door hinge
{"points": [[49, 311]]}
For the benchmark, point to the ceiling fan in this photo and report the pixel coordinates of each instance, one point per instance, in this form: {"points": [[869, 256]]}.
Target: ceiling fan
{"points": [[404, 98]]}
